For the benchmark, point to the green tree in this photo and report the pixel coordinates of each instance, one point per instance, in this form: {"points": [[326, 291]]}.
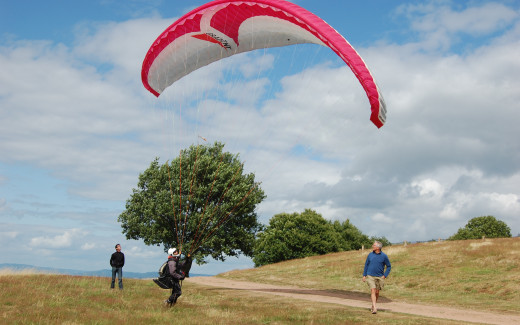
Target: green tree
{"points": [[202, 202], [295, 235], [382, 240], [478, 227], [353, 238]]}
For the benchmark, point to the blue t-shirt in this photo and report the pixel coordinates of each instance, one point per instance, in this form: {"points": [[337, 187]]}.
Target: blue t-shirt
{"points": [[375, 265]]}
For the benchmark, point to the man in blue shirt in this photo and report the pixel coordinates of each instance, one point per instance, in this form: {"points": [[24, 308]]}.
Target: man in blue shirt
{"points": [[374, 273]]}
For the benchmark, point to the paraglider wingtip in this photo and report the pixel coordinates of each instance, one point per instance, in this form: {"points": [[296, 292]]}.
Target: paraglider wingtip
{"points": [[378, 122]]}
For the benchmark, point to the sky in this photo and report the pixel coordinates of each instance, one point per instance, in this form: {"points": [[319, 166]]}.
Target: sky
{"points": [[77, 126]]}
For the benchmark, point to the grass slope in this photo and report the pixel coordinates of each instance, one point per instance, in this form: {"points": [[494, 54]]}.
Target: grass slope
{"points": [[476, 274], [55, 299]]}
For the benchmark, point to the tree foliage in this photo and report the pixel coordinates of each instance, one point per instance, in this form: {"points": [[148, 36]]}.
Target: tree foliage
{"points": [[298, 235], [295, 235], [352, 238], [485, 226], [202, 202]]}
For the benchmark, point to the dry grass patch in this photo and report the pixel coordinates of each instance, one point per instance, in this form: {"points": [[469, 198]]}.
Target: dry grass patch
{"points": [[476, 274], [480, 244], [57, 299]]}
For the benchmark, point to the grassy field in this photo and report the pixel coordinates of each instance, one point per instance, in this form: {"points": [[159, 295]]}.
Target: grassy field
{"points": [[475, 274], [480, 275], [54, 299]]}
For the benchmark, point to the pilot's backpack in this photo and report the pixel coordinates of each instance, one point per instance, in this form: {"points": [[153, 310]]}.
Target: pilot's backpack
{"points": [[165, 279]]}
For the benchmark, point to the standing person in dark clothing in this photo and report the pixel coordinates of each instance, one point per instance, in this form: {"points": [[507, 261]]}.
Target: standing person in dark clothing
{"points": [[374, 273], [117, 261], [176, 276]]}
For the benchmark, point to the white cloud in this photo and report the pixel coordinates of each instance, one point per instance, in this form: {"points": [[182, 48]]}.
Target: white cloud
{"points": [[74, 123], [429, 187], [449, 212], [59, 241], [122, 45], [448, 152], [484, 19], [506, 201], [263, 62], [142, 252], [441, 23], [9, 234], [380, 217], [88, 246]]}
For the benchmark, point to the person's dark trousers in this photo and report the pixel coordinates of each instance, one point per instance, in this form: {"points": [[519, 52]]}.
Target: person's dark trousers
{"points": [[176, 292], [119, 271]]}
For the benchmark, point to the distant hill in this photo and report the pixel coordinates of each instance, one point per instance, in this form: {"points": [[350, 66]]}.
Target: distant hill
{"points": [[101, 273]]}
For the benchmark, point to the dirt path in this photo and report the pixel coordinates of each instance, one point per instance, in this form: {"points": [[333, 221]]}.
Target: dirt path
{"points": [[361, 301]]}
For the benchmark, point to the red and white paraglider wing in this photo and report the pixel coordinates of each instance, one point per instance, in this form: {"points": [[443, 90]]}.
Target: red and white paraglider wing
{"points": [[221, 28]]}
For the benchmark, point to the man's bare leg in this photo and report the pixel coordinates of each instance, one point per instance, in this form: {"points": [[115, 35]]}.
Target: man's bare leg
{"points": [[374, 295]]}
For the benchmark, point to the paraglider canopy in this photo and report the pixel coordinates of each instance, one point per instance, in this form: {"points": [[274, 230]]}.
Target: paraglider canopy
{"points": [[222, 28]]}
